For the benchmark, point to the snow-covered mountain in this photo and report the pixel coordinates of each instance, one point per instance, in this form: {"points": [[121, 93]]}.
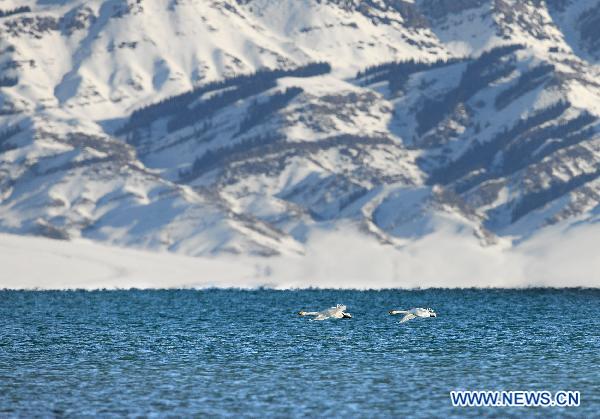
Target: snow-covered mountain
{"points": [[210, 126]]}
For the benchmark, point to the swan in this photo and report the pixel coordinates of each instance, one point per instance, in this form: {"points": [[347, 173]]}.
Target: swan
{"points": [[414, 313], [337, 312]]}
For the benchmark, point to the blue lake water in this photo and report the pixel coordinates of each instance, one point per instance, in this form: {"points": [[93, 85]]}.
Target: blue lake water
{"points": [[247, 353]]}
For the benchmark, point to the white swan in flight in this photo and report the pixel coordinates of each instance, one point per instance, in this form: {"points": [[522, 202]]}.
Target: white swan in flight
{"points": [[414, 313], [337, 312]]}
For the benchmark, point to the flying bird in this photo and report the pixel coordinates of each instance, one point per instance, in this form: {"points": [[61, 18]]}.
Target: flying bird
{"points": [[337, 312], [413, 313]]}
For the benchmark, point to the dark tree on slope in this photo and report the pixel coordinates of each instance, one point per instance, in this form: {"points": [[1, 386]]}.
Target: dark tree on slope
{"points": [[213, 159], [244, 85], [526, 83], [15, 11], [481, 155], [490, 66], [537, 144], [6, 135], [258, 111], [538, 199], [208, 107], [8, 81], [397, 73]]}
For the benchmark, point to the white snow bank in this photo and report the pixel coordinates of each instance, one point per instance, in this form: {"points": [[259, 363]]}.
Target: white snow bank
{"points": [[556, 258]]}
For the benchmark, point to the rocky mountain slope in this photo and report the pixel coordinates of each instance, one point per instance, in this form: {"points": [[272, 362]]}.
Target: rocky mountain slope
{"points": [[210, 126]]}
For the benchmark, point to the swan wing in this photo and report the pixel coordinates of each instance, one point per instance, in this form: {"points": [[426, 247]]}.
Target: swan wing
{"points": [[308, 313], [407, 317], [421, 312], [336, 312]]}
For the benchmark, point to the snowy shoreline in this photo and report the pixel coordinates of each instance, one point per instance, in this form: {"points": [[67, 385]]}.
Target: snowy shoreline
{"points": [[341, 259]]}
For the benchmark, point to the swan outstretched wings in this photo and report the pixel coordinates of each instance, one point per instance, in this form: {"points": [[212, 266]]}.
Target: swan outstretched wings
{"points": [[407, 317], [413, 313], [337, 312]]}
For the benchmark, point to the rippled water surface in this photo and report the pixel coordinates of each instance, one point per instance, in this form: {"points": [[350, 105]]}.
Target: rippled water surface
{"points": [[247, 353]]}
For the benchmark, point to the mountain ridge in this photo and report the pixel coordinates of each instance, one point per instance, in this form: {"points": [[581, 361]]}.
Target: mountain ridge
{"points": [[270, 120]]}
